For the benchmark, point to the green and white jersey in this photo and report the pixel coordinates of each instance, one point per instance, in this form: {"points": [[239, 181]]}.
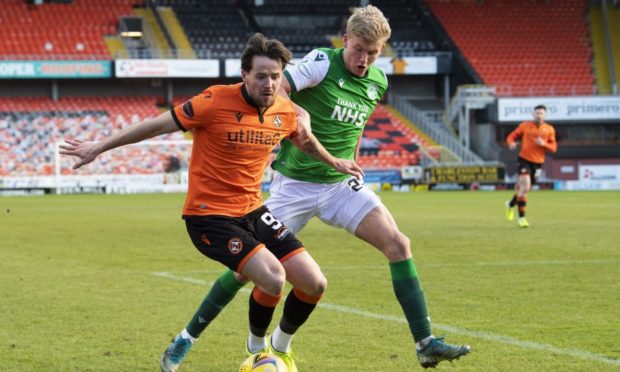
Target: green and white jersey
{"points": [[339, 104]]}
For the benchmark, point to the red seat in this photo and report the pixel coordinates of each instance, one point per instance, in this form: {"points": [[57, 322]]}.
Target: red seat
{"points": [[546, 55], [63, 25]]}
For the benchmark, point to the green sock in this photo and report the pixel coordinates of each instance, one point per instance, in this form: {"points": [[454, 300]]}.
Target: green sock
{"points": [[224, 289], [411, 297]]}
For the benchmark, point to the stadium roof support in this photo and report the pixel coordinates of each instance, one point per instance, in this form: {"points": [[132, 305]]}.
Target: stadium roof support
{"points": [[610, 55], [467, 98]]}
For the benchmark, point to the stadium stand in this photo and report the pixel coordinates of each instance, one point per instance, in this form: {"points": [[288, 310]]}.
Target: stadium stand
{"points": [[410, 32], [523, 47], [302, 25], [215, 28], [175, 31], [30, 127], [60, 31], [156, 35], [389, 142], [601, 63]]}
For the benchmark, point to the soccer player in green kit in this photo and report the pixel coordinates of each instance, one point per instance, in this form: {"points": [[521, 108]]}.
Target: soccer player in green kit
{"points": [[339, 88]]}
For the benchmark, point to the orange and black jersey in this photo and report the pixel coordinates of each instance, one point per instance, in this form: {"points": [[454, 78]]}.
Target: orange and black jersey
{"points": [[528, 132], [232, 142]]}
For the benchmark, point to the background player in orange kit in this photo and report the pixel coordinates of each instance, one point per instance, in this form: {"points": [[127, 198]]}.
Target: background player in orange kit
{"points": [[537, 137], [235, 129]]}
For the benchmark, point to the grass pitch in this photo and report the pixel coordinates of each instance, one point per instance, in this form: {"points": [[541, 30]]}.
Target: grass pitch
{"points": [[102, 283]]}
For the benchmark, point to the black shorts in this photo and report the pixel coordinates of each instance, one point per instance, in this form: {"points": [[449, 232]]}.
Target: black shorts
{"points": [[527, 167], [233, 240]]}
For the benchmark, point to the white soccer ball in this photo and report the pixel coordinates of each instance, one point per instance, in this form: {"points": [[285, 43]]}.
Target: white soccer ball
{"points": [[263, 362]]}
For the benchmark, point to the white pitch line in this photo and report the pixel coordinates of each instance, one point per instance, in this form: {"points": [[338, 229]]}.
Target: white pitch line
{"points": [[456, 330]]}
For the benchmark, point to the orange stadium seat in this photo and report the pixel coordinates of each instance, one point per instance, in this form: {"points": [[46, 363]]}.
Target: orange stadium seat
{"points": [[523, 47], [60, 31]]}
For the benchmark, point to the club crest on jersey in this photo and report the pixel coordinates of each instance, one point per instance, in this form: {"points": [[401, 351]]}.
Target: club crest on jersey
{"points": [[188, 109], [239, 116], [235, 245], [277, 121], [372, 91]]}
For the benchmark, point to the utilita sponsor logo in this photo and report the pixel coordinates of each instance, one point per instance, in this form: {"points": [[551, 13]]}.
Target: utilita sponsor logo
{"points": [[253, 137]]}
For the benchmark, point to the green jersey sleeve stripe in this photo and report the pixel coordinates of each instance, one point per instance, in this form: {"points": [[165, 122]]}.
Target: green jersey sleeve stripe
{"points": [[290, 81]]}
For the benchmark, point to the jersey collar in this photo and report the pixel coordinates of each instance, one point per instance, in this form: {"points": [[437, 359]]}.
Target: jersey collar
{"points": [[250, 101]]}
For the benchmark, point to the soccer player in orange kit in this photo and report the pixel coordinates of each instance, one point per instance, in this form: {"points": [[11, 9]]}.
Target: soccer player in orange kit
{"points": [[235, 129], [537, 137]]}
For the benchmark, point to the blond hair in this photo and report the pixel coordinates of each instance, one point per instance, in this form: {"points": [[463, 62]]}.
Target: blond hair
{"points": [[369, 23]]}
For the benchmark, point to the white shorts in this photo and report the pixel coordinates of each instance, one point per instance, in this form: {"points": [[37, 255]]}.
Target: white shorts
{"points": [[342, 204]]}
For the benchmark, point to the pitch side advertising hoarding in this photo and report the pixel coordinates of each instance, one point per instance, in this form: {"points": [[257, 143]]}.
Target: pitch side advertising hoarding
{"points": [[605, 108], [164, 68], [54, 69]]}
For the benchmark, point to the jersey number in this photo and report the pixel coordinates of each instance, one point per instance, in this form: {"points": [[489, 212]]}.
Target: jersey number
{"points": [[270, 220], [355, 184]]}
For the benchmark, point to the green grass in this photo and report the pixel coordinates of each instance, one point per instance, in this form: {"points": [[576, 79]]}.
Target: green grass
{"points": [[78, 290]]}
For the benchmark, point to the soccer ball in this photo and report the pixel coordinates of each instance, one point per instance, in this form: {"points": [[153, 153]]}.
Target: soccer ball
{"points": [[263, 362]]}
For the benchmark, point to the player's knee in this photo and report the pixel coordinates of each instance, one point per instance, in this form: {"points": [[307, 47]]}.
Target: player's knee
{"points": [[403, 244], [318, 287], [399, 247], [274, 285]]}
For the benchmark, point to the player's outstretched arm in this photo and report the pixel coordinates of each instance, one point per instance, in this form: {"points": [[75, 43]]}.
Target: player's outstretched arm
{"points": [[87, 151], [308, 143]]}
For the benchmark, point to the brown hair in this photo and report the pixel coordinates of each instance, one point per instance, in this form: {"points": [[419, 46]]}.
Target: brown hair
{"points": [[259, 45]]}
